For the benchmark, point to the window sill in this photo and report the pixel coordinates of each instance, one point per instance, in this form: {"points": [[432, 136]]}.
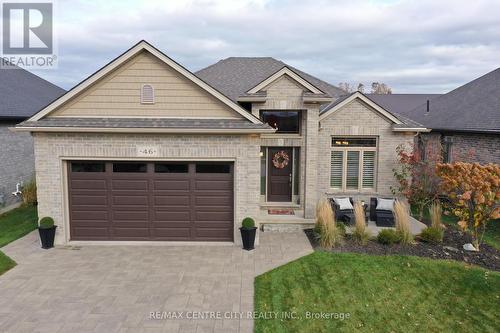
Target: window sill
{"points": [[339, 191], [281, 136]]}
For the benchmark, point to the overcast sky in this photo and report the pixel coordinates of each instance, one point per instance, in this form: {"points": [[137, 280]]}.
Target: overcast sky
{"points": [[412, 45]]}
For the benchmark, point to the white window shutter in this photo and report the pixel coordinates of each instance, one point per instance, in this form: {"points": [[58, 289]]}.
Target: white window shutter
{"points": [[352, 175], [336, 169], [147, 94], [368, 169]]}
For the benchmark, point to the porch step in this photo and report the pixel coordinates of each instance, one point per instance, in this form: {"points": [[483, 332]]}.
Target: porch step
{"points": [[288, 226]]}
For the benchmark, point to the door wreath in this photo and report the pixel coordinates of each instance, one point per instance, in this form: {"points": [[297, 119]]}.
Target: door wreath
{"points": [[280, 159]]}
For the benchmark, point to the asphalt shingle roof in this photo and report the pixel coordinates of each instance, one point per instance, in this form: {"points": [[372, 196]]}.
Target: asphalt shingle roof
{"points": [[402, 104], [473, 107], [22, 94], [234, 76], [145, 123]]}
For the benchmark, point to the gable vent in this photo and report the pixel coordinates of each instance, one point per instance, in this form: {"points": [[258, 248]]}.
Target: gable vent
{"points": [[147, 94]]}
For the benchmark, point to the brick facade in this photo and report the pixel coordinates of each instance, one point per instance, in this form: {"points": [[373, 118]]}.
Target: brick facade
{"points": [[466, 147], [16, 161], [51, 150]]}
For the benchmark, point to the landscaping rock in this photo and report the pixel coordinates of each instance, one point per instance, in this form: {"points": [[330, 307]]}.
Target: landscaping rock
{"points": [[451, 248], [469, 247]]}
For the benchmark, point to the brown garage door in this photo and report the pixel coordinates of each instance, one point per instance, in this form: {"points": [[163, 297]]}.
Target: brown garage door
{"points": [[191, 201]]}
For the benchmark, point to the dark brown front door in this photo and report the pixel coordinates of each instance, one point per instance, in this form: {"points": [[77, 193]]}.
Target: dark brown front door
{"points": [[279, 175], [185, 201]]}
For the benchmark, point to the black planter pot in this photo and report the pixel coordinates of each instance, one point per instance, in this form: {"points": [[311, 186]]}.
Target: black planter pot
{"points": [[47, 236], [248, 237]]}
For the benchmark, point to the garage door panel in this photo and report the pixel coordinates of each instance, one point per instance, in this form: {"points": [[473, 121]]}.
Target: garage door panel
{"points": [[128, 184], [87, 200], [151, 205], [135, 200], [180, 185], [89, 215], [171, 200], [213, 185], [133, 215], [88, 184], [174, 233], [214, 200], [130, 233], [172, 216], [203, 215]]}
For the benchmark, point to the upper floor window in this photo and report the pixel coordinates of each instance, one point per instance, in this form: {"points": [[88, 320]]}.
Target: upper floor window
{"points": [[284, 121], [147, 94]]}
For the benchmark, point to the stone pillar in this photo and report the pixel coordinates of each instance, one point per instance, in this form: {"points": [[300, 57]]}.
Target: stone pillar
{"points": [[311, 165]]}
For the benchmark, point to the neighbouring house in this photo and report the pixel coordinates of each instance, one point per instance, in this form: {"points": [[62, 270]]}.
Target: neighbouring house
{"points": [[465, 122], [22, 94], [145, 150]]}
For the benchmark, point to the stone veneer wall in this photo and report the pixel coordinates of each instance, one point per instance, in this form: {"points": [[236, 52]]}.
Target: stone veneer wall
{"points": [[51, 149], [358, 119], [17, 163]]}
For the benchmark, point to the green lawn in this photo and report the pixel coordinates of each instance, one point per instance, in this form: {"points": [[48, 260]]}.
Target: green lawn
{"points": [[380, 293], [491, 236], [13, 225]]}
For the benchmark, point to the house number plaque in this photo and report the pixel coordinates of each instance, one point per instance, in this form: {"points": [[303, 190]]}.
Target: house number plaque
{"points": [[147, 151]]}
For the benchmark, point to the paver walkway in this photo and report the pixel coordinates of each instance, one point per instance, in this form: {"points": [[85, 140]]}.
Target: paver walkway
{"points": [[115, 288]]}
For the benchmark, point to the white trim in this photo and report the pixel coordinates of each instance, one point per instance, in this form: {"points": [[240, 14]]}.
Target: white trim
{"points": [[365, 99], [150, 243], [141, 117], [411, 129], [141, 46], [280, 73], [139, 130]]}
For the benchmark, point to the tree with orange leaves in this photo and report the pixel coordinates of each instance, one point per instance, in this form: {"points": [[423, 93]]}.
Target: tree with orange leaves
{"points": [[475, 191]]}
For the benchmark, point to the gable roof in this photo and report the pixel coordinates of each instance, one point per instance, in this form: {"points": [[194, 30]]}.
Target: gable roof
{"points": [[473, 107], [400, 123], [235, 76], [285, 71], [134, 50], [22, 93]]}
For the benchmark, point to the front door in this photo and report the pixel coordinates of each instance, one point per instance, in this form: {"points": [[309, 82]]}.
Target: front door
{"points": [[279, 175]]}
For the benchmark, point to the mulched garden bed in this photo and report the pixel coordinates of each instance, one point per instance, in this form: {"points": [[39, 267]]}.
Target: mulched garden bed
{"points": [[450, 248]]}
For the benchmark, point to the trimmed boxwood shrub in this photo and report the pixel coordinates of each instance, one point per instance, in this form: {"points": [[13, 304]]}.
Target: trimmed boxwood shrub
{"points": [[248, 223], [432, 235], [388, 237], [46, 222]]}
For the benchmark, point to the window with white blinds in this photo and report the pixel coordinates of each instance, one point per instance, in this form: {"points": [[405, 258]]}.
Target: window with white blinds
{"points": [[353, 168]]}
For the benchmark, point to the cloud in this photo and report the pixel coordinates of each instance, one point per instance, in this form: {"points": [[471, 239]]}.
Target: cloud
{"points": [[414, 46]]}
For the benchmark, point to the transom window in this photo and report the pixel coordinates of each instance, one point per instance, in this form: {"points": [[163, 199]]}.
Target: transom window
{"points": [[283, 121], [353, 163]]}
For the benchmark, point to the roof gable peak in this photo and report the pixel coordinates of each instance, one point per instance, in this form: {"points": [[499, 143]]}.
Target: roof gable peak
{"points": [[120, 60], [285, 70]]}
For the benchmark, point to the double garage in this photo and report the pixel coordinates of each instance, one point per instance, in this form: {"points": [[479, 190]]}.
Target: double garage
{"points": [[151, 201]]}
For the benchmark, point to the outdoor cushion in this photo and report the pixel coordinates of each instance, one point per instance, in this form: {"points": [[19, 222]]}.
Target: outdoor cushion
{"points": [[343, 203], [385, 204]]}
